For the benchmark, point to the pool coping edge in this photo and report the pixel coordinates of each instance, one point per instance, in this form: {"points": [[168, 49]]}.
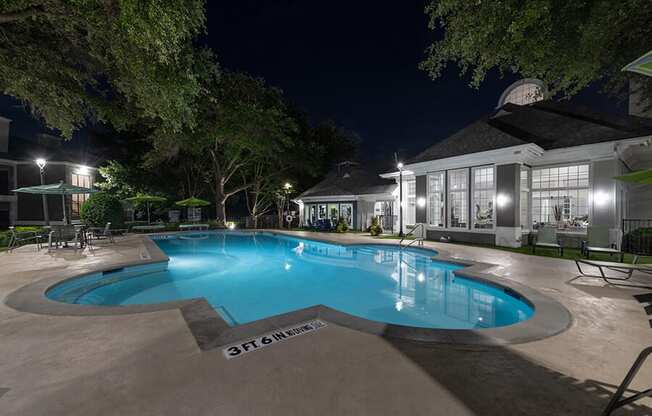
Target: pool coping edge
{"points": [[211, 331]]}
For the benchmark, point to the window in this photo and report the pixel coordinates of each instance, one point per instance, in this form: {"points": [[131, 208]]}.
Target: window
{"points": [[436, 198], [346, 212], [322, 212], [333, 212], [525, 198], [560, 196], [458, 198], [77, 200], [410, 202], [483, 197]]}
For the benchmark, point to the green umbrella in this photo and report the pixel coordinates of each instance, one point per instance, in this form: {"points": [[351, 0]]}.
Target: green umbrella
{"points": [[643, 177], [193, 202], [642, 65], [60, 188], [147, 199]]}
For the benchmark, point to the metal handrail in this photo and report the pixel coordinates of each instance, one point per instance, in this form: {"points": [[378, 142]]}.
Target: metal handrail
{"points": [[617, 399], [419, 240]]}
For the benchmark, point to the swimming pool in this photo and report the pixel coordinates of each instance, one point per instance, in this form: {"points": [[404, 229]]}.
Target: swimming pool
{"points": [[250, 276]]}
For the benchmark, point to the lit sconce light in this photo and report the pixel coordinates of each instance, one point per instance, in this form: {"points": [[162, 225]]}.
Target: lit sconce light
{"points": [[601, 198], [502, 200], [82, 170], [421, 278], [399, 305], [421, 202]]}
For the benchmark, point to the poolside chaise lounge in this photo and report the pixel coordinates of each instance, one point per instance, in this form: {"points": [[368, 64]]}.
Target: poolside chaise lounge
{"points": [[597, 241], [17, 238], [547, 238], [194, 227], [625, 268]]}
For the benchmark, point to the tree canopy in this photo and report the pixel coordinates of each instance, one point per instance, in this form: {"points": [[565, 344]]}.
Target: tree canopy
{"points": [[566, 44], [114, 61]]}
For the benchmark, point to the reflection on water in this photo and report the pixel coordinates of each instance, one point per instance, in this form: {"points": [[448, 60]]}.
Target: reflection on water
{"points": [[253, 276]]}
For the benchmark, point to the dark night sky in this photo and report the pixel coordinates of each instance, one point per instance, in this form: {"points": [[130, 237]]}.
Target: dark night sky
{"points": [[354, 62]]}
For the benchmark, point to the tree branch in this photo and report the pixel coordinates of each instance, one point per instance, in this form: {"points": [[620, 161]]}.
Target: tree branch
{"points": [[22, 14]]}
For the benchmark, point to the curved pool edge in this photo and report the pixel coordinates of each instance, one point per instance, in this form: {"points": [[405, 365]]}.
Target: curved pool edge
{"points": [[211, 331]]}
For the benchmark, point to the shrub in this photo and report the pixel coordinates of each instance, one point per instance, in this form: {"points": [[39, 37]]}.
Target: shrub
{"points": [[342, 225], [101, 208], [375, 229]]}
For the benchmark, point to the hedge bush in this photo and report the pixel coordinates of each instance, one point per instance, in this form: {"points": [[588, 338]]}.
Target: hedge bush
{"points": [[101, 208]]}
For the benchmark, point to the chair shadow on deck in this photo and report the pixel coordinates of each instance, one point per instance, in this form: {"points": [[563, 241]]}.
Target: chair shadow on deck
{"points": [[500, 381]]}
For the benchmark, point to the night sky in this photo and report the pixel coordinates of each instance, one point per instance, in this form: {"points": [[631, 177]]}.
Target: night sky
{"points": [[353, 62]]}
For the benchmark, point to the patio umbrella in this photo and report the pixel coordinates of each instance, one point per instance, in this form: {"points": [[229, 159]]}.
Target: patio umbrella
{"points": [[147, 199], [193, 202], [643, 177], [60, 188], [642, 65]]}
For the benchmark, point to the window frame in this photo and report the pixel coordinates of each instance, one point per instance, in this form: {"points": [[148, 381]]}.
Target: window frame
{"points": [[450, 191], [442, 193], [492, 188], [588, 188]]}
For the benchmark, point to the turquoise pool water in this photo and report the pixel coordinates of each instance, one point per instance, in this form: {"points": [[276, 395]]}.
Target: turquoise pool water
{"points": [[250, 276]]}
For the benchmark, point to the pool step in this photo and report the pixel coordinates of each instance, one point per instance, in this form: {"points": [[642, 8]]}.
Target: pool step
{"points": [[226, 315]]}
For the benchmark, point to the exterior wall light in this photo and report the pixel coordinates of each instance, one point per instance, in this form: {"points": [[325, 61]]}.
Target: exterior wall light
{"points": [[502, 200], [600, 198], [421, 202], [83, 170], [40, 162]]}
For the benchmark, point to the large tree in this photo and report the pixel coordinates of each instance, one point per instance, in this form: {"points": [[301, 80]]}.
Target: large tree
{"points": [[115, 61], [241, 121], [566, 44]]}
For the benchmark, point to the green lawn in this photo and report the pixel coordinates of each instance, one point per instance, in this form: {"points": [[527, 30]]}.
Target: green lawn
{"points": [[569, 253]]}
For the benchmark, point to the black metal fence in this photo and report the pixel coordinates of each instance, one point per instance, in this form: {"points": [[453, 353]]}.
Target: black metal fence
{"points": [[637, 237]]}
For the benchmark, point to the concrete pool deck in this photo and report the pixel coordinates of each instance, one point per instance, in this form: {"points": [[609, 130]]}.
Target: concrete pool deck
{"points": [[149, 363]]}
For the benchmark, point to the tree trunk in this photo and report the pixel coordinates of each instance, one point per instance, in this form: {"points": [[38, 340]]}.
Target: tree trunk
{"points": [[220, 205]]}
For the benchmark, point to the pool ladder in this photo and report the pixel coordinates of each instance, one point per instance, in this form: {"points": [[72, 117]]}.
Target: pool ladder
{"points": [[418, 240]]}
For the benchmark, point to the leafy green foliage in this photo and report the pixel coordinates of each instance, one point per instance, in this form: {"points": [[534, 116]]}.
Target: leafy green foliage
{"points": [[101, 208], [566, 44], [375, 229], [114, 61], [342, 225]]}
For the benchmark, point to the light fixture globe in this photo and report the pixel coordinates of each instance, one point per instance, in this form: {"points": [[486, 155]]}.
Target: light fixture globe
{"points": [[40, 162]]}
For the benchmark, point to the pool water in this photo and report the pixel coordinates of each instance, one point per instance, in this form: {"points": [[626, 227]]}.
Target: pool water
{"points": [[250, 276]]}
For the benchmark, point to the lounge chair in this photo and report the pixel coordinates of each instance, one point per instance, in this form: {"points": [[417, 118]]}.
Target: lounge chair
{"points": [[597, 241], [624, 268], [98, 233], [17, 238], [63, 235], [547, 238]]}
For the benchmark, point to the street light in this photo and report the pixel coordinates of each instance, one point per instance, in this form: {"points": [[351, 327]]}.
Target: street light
{"points": [[399, 165], [40, 162], [288, 189]]}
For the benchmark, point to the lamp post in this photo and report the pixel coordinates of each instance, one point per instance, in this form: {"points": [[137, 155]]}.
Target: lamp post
{"points": [[400, 199], [288, 189], [40, 162]]}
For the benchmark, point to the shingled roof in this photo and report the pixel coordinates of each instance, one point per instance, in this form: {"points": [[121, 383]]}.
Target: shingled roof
{"points": [[550, 125], [349, 179]]}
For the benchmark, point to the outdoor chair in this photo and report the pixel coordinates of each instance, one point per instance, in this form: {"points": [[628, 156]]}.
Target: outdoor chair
{"points": [[18, 238], [99, 233], [64, 235], [324, 225], [624, 268], [597, 241], [547, 238]]}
